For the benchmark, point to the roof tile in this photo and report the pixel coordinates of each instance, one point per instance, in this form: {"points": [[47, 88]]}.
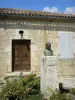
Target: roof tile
{"points": [[35, 13]]}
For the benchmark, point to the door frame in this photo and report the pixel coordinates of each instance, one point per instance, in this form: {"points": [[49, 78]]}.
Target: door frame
{"points": [[14, 40]]}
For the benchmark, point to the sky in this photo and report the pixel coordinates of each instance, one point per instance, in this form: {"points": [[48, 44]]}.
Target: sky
{"points": [[64, 6]]}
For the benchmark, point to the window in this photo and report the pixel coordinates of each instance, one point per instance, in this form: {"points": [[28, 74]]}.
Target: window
{"points": [[66, 45]]}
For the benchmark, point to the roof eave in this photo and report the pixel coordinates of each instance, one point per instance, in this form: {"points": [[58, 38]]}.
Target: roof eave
{"points": [[5, 16]]}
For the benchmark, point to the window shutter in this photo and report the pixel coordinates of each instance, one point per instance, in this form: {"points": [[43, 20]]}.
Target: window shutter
{"points": [[66, 45]]}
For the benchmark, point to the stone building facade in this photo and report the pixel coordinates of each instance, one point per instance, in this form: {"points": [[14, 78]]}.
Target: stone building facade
{"points": [[38, 27]]}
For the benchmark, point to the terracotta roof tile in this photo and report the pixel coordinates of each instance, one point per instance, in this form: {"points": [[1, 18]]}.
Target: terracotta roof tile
{"points": [[34, 13]]}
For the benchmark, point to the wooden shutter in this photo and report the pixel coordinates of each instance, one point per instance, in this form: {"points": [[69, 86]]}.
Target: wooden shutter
{"points": [[66, 45]]}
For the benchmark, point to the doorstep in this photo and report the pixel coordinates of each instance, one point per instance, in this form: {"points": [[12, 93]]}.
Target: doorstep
{"points": [[16, 73]]}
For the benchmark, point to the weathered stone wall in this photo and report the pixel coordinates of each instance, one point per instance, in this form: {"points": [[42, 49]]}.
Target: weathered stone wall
{"points": [[6, 37], [39, 33], [67, 68]]}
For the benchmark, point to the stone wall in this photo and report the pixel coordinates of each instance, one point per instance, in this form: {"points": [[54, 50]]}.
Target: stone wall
{"points": [[6, 37], [39, 33], [67, 68]]}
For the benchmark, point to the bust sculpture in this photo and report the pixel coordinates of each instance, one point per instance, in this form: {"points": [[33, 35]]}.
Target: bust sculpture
{"points": [[48, 51]]}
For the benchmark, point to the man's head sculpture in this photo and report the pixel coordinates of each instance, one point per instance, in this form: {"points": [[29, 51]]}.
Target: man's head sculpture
{"points": [[48, 51], [48, 46]]}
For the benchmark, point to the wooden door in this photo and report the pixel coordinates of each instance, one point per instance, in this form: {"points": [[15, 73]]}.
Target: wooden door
{"points": [[21, 55]]}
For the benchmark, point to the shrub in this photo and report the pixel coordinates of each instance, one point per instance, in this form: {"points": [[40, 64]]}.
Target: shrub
{"points": [[58, 96], [35, 97], [31, 83], [13, 90], [21, 88], [73, 91]]}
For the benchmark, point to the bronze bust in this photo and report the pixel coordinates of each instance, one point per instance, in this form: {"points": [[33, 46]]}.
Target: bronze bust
{"points": [[48, 51]]}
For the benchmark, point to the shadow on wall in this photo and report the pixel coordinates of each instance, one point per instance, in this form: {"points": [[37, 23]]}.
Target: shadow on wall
{"points": [[37, 25]]}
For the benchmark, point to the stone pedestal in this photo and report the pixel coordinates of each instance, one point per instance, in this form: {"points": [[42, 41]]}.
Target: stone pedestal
{"points": [[49, 75]]}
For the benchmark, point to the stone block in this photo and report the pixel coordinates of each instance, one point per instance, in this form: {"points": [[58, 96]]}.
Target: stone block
{"points": [[49, 75]]}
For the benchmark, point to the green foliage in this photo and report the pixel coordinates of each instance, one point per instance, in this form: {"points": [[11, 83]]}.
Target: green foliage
{"points": [[73, 91], [58, 96], [21, 88], [7, 77], [31, 83], [35, 97]]}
